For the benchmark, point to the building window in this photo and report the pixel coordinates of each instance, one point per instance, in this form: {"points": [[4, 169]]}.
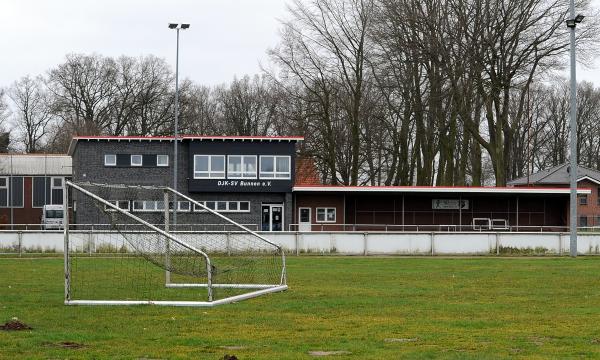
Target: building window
{"points": [[140, 205], [183, 206], [241, 167], [325, 214], [11, 191], [209, 166], [110, 160], [121, 204], [3, 191], [583, 221], [47, 191], [275, 167], [210, 204], [224, 206], [57, 183], [597, 220], [583, 199], [162, 160], [56, 190], [136, 160], [154, 206], [244, 206]]}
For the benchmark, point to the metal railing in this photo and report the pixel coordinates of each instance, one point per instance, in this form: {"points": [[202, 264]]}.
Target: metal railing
{"points": [[429, 228], [107, 227], [318, 227]]}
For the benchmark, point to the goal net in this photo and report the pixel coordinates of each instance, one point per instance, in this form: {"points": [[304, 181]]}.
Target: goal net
{"points": [[125, 250]]}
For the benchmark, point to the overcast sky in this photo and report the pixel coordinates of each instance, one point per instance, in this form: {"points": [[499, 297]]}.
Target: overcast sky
{"points": [[226, 38]]}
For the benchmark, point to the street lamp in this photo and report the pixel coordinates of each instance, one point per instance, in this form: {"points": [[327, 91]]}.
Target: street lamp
{"points": [[571, 24], [176, 27]]}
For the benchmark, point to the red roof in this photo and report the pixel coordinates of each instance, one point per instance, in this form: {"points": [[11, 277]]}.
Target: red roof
{"points": [[306, 172], [190, 137]]}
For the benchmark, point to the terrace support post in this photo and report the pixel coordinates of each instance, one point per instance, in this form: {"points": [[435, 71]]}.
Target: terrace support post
{"points": [[432, 234], [517, 214], [20, 239], [228, 243], [90, 242], [332, 242], [497, 243], [559, 243], [297, 244], [365, 243]]}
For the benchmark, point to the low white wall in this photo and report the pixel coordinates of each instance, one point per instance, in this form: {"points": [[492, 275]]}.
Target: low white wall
{"points": [[352, 243]]}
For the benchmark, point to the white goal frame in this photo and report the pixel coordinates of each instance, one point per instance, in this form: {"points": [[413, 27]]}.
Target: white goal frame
{"points": [[259, 289]]}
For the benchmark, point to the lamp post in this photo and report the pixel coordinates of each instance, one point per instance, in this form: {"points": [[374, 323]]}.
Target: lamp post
{"points": [[176, 27], [571, 24]]}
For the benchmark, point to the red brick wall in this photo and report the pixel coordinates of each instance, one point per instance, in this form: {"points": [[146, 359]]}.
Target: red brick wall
{"points": [[592, 209], [25, 215], [313, 201]]}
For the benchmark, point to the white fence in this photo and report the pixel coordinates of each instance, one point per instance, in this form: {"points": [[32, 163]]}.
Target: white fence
{"points": [[352, 243]]}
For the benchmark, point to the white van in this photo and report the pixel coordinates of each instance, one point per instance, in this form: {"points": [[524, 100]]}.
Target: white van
{"points": [[52, 217]]}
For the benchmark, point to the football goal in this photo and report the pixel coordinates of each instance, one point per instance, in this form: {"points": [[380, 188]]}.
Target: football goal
{"points": [[124, 249]]}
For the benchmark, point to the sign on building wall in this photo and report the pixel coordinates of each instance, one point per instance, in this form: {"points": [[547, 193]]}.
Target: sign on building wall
{"points": [[449, 204], [227, 166]]}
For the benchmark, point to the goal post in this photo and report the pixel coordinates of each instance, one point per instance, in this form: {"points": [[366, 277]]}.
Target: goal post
{"points": [[136, 257]]}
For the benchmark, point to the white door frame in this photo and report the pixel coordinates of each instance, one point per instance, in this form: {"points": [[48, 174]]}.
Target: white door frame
{"points": [[271, 206], [304, 226]]}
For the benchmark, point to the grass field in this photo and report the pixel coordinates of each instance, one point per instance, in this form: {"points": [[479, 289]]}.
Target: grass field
{"points": [[368, 308]]}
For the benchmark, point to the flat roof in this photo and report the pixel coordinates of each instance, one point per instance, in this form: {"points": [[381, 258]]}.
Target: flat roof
{"points": [[437, 189], [35, 164], [181, 137]]}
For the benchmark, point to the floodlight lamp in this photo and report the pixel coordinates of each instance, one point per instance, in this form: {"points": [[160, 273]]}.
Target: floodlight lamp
{"points": [[571, 23], [185, 26], [579, 18], [173, 26]]}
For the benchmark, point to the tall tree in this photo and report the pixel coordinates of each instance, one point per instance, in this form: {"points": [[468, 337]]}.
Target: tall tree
{"points": [[33, 113]]}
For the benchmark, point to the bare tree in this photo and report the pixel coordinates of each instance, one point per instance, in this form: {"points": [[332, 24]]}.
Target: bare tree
{"points": [[32, 114], [82, 89]]}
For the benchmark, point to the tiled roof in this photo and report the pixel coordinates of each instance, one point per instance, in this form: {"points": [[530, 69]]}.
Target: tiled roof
{"points": [[306, 172], [557, 175]]}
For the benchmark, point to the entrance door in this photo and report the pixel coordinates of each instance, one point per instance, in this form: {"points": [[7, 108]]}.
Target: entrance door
{"points": [[272, 217], [304, 222]]}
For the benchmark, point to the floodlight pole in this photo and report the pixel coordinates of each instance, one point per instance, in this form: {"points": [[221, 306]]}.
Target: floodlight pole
{"points": [[175, 156], [571, 24], [177, 27]]}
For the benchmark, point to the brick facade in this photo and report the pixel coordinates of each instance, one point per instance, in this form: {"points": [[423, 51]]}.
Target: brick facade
{"points": [[88, 166], [591, 210]]}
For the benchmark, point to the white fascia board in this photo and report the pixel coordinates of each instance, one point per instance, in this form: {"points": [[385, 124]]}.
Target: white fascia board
{"points": [[437, 190], [588, 178]]}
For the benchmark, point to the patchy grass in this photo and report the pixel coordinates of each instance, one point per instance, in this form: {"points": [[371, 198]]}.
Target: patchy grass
{"points": [[349, 307]]}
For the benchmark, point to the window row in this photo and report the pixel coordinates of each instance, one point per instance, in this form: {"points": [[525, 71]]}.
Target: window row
{"points": [[182, 206], [585, 221], [583, 199], [45, 191], [242, 167], [136, 160]]}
